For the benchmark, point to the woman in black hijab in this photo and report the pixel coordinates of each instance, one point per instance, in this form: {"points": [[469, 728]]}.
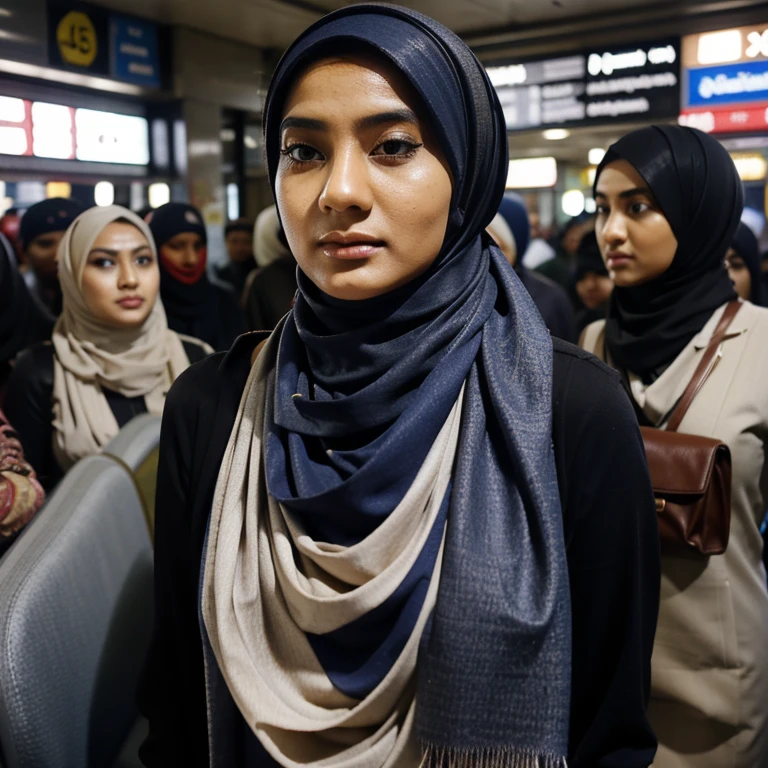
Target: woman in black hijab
{"points": [[23, 321], [743, 264], [669, 201], [194, 305], [364, 518]]}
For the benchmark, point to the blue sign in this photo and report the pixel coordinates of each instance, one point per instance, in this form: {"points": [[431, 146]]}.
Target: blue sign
{"points": [[134, 51], [728, 84]]}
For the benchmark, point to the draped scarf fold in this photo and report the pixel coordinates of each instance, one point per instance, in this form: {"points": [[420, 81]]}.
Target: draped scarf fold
{"points": [[90, 354], [413, 429]]}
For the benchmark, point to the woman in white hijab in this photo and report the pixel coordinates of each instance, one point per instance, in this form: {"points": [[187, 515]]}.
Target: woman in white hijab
{"points": [[112, 357]]}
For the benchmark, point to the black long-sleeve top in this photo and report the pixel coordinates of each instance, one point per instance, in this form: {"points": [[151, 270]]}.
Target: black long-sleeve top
{"points": [[610, 532], [28, 404]]}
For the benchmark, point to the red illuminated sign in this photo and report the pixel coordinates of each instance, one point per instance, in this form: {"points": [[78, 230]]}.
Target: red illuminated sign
{"points": [[732, 120]]}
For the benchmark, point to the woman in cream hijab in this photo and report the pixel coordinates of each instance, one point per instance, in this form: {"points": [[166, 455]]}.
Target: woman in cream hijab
{"points": [[112, 357]]}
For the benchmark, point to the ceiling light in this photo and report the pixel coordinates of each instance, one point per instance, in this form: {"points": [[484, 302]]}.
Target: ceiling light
{"points": [[104, 193], [556, 134], [532, 173], [58, 189], [596, 156], [572, 202], [159, 194]]}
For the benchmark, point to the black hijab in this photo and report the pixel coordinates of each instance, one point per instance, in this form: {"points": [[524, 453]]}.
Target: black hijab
{"points": [[22, 320], [695, 183], [191, 309], [361, 390], [745, 244]]}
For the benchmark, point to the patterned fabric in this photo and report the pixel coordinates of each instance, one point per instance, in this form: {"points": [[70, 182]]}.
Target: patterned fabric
{"points": [[21, 496]]}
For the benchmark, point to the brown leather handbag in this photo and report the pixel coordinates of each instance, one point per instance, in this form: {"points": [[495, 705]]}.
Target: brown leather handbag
{"points": [[691, 475]]}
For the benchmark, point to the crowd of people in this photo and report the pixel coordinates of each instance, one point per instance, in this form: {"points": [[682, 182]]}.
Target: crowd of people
{"points": [[411, 522]]}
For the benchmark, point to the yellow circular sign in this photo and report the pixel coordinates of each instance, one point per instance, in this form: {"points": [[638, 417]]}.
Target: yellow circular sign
{"points": [[77, 39]]}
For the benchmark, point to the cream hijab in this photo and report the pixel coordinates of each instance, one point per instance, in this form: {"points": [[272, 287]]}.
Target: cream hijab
{"points": [[267, 246], [135, 362]]}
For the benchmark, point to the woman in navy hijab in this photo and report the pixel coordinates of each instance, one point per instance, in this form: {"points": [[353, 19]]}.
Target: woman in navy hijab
{"points": [[368, 551]]}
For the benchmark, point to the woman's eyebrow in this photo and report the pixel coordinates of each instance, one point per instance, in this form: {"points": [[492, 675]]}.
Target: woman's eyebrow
{"points": [[635, 191], [404, 115], [627, 193], [303, 122], [108, 251]]}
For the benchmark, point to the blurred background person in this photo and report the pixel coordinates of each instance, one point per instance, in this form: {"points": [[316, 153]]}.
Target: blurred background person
{"points": [[511, 229], [538, 250], [238, 238], [10, 222], [669, 201], [40, 231], [21, 495], [592, 281], [743, 264], [112, 357], [194, 305], [562, 267], [23, 321], [271, 288]]}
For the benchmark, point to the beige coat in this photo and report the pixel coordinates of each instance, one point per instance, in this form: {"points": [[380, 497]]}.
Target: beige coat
{"points": [[709, 690]]}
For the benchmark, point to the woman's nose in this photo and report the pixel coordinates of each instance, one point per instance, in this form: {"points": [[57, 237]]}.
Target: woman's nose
{"points": [[190, 256], [348, 184], [128, 277], [614, 230]]}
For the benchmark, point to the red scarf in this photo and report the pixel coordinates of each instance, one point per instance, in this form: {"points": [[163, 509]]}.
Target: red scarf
{"points": [[188, 276]]}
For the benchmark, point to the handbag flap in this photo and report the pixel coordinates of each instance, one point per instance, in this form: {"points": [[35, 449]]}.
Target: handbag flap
{"points": [[680, 464]]}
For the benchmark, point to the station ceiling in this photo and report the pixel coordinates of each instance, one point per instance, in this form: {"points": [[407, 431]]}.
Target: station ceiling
{"points": [[275, 23]]}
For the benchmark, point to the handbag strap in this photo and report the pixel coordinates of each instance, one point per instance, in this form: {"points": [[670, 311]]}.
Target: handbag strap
{"points": [[705, 367]]}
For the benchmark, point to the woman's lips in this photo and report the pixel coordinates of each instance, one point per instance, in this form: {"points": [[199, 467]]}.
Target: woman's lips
{"points": [[616, 259], [131, 302], [351, 250]]}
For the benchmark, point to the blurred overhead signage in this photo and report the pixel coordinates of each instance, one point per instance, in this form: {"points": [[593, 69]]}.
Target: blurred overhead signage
{"points": [[78, 37], [134, 51], [55, 131], [725, 80], [638, 80], [88, 39]]}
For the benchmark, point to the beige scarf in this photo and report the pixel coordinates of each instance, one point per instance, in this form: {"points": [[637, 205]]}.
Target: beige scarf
{"points": [[267, 583], [267, 246], [136, 362]]}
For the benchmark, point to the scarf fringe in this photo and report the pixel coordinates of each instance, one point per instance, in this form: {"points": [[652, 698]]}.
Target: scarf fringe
{"points": [[488, 757]]}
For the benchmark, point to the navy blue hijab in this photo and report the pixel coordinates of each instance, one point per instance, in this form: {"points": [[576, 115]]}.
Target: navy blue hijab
{"points": [[363, 388]]}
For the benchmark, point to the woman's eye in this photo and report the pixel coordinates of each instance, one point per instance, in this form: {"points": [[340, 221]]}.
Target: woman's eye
{"points": [[638, 207], [103, 263], [396, 148], [143, 261], [302, 153], [602, 210]]}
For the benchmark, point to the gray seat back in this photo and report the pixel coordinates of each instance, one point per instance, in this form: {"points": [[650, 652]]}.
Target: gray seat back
{"points": [[75, 621], [135, 441], [137, 446]]}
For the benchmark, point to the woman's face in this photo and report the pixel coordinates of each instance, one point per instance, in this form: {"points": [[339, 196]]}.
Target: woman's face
{"points": [[594, 290], [635, 239], [184, 251], [362, 187], [739, 274], [121, 278]]}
